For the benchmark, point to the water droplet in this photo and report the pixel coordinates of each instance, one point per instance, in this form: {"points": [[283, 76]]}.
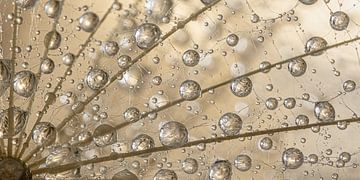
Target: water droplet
{"points": [[230, 124], [88, 21], [96, 79], [339, 20], [190, 90], [242, 162], [220, 170], [191, 58], [24, 83], [241, 87], [173, 134], [297, 67], [44, 133], [292, 158], [146, 35], [324, 111]]}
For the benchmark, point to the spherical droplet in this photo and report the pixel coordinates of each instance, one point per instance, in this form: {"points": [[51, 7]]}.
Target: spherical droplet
{"points": [[20, 119], [297, 67], [124, 61], [324, 111], [52, 40], [173, 134], [89, 21], [265, 143], [44, 133], [207, 2], [242, 162], [96, 79], [191, 58], [104, 135], [132, 114], [345, 156], [190, 90], [308, 2], [271, 103], [25, 83], [349, 85], [220, 170], [146, 35], [339, 20], [314, 44], [232, 40], [5, 76], [26, 4], [47, 66], [111, 48], [241, 87], [190, 166], [301, 120], [313, 158], [142, 142], [52, 8], [292, 158], [124, 175], [289, 103], [165, 174], [68, 59], [230, 124]]}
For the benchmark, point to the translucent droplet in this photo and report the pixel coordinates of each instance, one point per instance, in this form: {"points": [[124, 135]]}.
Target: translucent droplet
{"points": [[88, 21], [158, 8], [173, 134], [190, 90], [5, 76], [207, 2], [241, 87], [242, 162], [68, 59], [301, 120], [289, 103], [292, 158], [220, 170], [52, 8], [189, 165], [124, 61], [324, 111], [96, 79], [165, 174], [132, 114], [345, 156], [314, 44], [230, 124], [349, 85], [308, 2], [142, 142], [24, 83], [20, 119], [297, 67], [44, 133], [339, 20], [146, 35], [52, 40], [26, 4], [271, 103], [111, 48], [232, 40], [104, 135], [60, 155], [265, 143], [191, 58], [124, 175], [313, 158], [47, 66]]}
